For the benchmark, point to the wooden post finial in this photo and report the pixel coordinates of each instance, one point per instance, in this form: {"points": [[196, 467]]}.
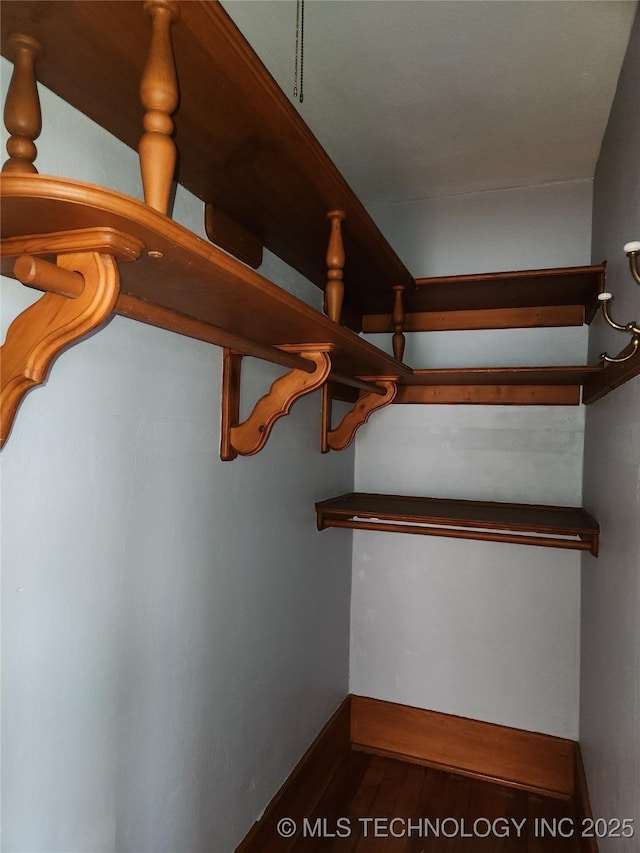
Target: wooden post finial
{"points": [[334, 292], [159, 96], [22, 115], [397, 319]]}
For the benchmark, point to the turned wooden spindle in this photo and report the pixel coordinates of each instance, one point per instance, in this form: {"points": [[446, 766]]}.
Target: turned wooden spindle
{"points": [[334, 291], [159, 96], [397, 319], [22, 115]]}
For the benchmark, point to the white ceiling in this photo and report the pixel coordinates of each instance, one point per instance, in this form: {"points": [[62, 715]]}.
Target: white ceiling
{"points": [[422, 98]]}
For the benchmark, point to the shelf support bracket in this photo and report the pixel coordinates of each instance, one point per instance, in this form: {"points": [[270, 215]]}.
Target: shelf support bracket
{"points": [[341, 437], [91, 282], [250, 436]]}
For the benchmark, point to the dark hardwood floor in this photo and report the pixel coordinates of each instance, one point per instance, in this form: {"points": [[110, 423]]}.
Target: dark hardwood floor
{"points": [[381, 805]]}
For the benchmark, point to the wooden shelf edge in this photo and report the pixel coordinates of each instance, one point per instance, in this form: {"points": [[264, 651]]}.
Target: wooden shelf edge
{"points": [[479, 319], [154, 290], [526, 386], [462, 519], [166, 276], [560, 296], [573, 374], [489, 395], [612, 376], [509, 275], [483, 300]]}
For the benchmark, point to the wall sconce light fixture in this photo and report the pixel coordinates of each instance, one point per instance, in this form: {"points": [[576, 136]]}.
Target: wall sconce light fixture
{"points": [[632, 251]]}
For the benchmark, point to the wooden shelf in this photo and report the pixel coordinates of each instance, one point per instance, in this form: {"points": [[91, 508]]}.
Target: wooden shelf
{"points": [[560, 386], [243, 147], [114, 254], [566, 296], [193, 288], [612, 376], [522, 524], [95, 252]]}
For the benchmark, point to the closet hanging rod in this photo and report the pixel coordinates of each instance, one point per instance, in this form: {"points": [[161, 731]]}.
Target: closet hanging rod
{"points": [[166, 318], [352, 381]]}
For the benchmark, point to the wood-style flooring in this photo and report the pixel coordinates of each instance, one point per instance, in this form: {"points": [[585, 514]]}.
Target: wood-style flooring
{"points": [[421, 810]]}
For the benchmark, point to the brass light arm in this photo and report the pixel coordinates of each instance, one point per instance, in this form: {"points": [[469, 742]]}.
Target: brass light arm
{"points": [[632, 328], [605, 298], [632, 251], [635, 343]]}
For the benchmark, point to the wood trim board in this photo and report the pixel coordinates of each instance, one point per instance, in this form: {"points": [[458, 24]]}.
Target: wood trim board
{"points": [[529, 761], [475, 319], [519, 386], [583, 804], [488, 395], [303, 788], [514, 757]]}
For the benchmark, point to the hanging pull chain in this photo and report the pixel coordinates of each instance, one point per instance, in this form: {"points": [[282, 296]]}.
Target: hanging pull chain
{"points": [[299, 50]]}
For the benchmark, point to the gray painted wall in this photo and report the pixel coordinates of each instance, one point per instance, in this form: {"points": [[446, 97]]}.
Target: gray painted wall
{"points": [[610, 675], [174, 632], [174, 629]]}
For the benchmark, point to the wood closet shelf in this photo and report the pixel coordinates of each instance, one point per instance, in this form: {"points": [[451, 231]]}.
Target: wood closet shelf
{"points": [[522, 524], [243, 147], [565, 296], [193, 288], [244, 150], [498, 385]]}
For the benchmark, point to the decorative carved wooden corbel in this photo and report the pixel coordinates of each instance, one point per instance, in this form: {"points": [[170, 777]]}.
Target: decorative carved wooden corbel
{"points": [[91, 282], [341, 437], [250, 436]]}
